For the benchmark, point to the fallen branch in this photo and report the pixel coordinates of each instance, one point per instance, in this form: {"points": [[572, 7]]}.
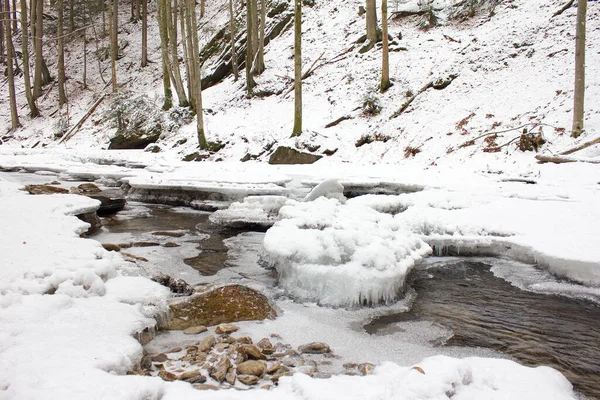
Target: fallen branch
{"points": [[337, 121], [556, 52], [564, 8], [581, 147], [533, 124], [78, 125], [308, 72], [49, 90], [436, 84], [451, 39], [562, 160], [497, 148]]}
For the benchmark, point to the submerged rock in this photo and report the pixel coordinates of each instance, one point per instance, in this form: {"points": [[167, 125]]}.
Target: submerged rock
{"points": [[223, 305]]}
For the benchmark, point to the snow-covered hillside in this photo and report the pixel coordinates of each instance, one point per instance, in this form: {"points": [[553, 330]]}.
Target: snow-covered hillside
{"points": [[512, 68]]}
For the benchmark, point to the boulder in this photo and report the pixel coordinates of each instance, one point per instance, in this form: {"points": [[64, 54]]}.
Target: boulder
{"points": [[251, 367], [222, 305], [133, 140], [92, 219], [288, 155]]}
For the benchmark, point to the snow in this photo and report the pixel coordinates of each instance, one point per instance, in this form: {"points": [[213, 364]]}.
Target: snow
{"points": [[254, 210]]}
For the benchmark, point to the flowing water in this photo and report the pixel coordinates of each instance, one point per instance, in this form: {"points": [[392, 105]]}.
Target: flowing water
{"points": [[486, 311]]}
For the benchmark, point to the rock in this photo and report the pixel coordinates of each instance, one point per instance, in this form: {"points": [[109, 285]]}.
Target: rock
{"points": [[252, 367], [289, 361], [221, 346], [273, 367], [252, 352], [146, 363], [417, 368], [288, 155], [230, 377], [45, 189], [171, 244], [169, 233], [201, 386], [361, 10], [207, 344], [111, 201], [194, 330], [227, 339], [92, 219], [88, 188], [167, 376], [111, 247], [162, 357], [226, 328], [307, 370], [278, 9], [190, 375], [366, 368], [219, 371], [314, 348], [200, 357], [223, 305], [248, 379], [177, 286], [134, 140], [244, 340], [266, 346]]}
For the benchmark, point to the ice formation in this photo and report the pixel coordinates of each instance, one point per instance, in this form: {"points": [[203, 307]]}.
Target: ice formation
{"points": [[330, 188], [254, 210], [341, 255]]}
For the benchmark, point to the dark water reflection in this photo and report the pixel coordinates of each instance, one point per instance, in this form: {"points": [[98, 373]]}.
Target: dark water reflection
{"points": [[486, 311]]}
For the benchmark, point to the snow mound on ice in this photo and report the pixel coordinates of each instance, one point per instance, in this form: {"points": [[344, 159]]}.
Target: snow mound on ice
{"points": [[341, 255], [254, 210], [330, 188]]}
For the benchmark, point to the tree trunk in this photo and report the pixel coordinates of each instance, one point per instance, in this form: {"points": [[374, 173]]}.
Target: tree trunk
{"points": [[371, 21], [25, 50], [114, 42], [297, 68], [385, 54], [144, 33], [14, 117], [234, 65], [2, 51], [36, 12], [259, 65], [138, 11], [186, 43], [164, 40], [171, 16], [579, 94], [62, 96], [71, 16], [202, 8], [84, 77], [14, 18], [249, 48], [195, 52]]}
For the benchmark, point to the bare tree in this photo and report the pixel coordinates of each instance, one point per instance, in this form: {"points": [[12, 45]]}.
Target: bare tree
{"points": [[144, 33], [62, 96], [385, 54], [371, 21], [297, 130], [192, 23], [250, 22], [259, 64], [2, 51], [14, 116], [171, 16], [114, 42], [232, 29], [164, 40], [25, 53], [579, 94], [71, 16]]}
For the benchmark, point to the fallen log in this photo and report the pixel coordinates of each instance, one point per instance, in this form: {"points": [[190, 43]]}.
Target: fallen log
{"points": [[562, 160], [337, 121], [79, 123], [564, 8], [581, 147]]}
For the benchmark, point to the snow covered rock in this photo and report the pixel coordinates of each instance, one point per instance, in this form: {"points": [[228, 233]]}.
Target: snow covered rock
{"points": [[253, 211], [330, 188], [341, 255]]}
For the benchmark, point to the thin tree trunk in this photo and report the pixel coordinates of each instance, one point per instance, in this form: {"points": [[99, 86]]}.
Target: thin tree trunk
{"points": [[14, 17], [259, 65], [144, 33], [14, 116], [192, 24], [171, 16], [385, 54], [579, 95], [2, 50], [36, 12], [371, 21], [71, 16], [103, 8], [185, 39], [114, 46], [25, 50], [138, 12], [254, 30], [232, 29], [297, 130], [84, 78], [62, 96], [164, 40], [249, 48], [202, 8]]}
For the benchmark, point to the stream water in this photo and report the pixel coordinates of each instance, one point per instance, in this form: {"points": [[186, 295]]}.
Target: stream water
{"points": [[465, 296]]}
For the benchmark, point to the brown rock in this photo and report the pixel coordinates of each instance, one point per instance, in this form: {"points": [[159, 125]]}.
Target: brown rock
{"points": [[207, 344], [266, 386], [221, 346], [226, 328], [88, 188], [167, 376], [174, 350], [202, 386], [288, 155], [169, 233], [252, 352], [230, 377], [111, 247], [189, 375], [162, 357], [366, 368], [314, 348], [266, 346], [223, 305], [251, 367], [219, 371], [244, 340], [194, 330], [171, 244], [146, 363], [45, 189], [248, 379], [273, 367]]}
